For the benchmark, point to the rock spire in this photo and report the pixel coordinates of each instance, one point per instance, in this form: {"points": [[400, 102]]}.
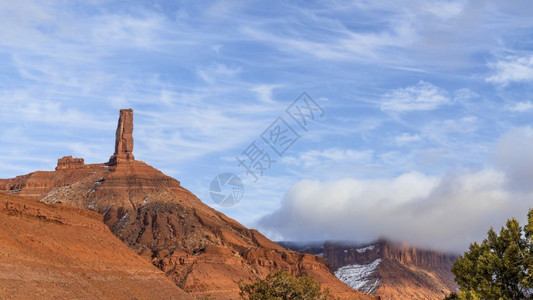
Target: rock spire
{"points": [[123, 138]]}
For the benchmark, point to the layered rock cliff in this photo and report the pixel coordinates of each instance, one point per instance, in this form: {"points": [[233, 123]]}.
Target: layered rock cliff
{"points": [[200, 249]]}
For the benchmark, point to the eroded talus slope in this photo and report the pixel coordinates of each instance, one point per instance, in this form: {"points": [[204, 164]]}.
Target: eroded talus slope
{"points": [[67, 253]]}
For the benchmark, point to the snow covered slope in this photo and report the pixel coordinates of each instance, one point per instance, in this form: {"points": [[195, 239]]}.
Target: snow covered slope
{"points": [[360, 277]]}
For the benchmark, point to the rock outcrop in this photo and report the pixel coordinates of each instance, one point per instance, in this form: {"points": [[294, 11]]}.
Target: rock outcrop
{"points": [[68, 162], [59, 252], [386, 269], [123, 139], [203, 251]]}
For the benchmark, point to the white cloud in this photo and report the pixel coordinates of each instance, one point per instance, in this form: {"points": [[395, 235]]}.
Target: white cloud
{"points": [[463, 125], [464, 95], [444, 9], [421, 35], [512, 69], [316, 158], [128, 31], [420, 97], [26, 106], [340, 43], [513, 155], [444, 212], [446, 132], [406, 138], [264, 92], [217, 48], [217, 72], [189, 131], [520, 107]]}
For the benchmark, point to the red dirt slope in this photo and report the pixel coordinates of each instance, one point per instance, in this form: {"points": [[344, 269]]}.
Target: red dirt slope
{"points": [[68, 253]]}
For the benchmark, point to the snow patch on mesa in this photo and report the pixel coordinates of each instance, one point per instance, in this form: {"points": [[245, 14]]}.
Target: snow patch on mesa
{"points": [[360, 277], [367, 248]]}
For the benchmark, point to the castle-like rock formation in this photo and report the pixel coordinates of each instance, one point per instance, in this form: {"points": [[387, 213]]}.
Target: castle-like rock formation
{"points": [[69, 162]]}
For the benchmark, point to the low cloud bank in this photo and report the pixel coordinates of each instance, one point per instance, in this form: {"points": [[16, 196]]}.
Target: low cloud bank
{"points": [[441, 212]]}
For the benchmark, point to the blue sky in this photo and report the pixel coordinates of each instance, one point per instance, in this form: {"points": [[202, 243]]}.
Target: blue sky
{"points": [[427, 105]]}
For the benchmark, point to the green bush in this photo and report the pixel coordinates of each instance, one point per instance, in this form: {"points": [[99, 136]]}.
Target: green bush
{"points": [[283, 285]]}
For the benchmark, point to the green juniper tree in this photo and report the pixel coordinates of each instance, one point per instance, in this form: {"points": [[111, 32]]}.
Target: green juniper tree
{"points": [[500, 267], [282, 285]]}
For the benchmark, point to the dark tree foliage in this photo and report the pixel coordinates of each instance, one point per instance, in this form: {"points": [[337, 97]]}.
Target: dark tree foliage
{"points": [[282, 285], [500, 267]]}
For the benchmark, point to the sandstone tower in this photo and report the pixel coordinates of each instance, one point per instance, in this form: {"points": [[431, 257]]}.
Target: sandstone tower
{"points": [[123, 138]]}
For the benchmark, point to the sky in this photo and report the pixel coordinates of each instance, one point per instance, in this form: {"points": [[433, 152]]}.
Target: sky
{"points": [[417, 124]]}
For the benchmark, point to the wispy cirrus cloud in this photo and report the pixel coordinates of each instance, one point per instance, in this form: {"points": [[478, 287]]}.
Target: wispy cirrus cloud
{"points": [[423, 96], [444, 9], [316, 158], [218, 72], [406, 138], [523, 106], [336, 42], [264, 92]]}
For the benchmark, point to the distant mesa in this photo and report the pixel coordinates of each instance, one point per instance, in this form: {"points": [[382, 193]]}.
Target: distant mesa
{"points": [[387, 269]]}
